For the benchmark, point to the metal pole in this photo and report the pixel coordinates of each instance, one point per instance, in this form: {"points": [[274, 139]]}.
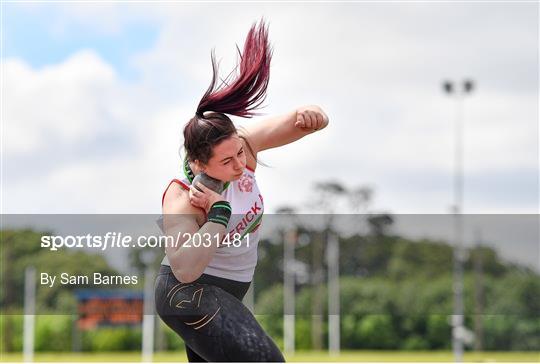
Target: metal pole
{"points": [[288, 286], [478, 295], [457, 326], [29, 314], [458, 330], [148, 316], [333, 294]]}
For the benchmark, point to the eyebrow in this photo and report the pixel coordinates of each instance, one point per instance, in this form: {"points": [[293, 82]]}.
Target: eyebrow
{"points": [[224, 159]]}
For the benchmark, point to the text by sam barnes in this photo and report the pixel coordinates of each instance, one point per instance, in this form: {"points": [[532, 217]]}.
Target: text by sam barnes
{"points": [[96, 279]]}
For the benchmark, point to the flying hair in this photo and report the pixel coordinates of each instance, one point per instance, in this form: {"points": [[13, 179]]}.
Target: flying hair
{"points": [[243, 93]]}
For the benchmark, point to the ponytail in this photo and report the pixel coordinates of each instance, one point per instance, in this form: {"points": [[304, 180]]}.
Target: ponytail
{"points": [[246, 92]]}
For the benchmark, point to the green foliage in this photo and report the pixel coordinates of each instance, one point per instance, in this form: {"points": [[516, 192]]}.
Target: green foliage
{"points": [[53, 333], [21, 249], [268, 272], [367, 296], [517, 293], [394, 293], [269, 311], [414, 313], [74, 263], [53, 326], [303, 332], [415, 342], [11, 327], [491, 265], [376, 332], [172, 340], [113, 339], [270, 302], [510, 332], [423, 258], [14, 245], [438, 331]]}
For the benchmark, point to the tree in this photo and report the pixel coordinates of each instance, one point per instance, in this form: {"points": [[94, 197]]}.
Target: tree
{"points": [[22, 248]]}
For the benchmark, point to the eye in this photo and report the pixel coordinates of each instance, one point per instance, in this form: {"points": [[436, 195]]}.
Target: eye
{"points": [[224, 163], [240, 152]]}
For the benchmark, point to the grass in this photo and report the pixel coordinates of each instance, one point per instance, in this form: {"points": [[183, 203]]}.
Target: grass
{"points": [[304, 356]]}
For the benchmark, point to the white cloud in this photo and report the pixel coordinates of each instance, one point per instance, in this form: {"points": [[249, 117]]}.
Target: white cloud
{"points": [[60, 101]]}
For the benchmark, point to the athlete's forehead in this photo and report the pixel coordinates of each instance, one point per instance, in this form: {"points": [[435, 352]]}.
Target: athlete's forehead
{"points": [[228, 148]]}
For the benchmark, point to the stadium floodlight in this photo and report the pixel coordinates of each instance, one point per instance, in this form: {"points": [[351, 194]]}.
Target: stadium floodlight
{"points": [[458, 338]]}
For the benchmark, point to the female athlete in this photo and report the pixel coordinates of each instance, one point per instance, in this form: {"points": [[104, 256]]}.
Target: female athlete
{"points": [[204, 277]]}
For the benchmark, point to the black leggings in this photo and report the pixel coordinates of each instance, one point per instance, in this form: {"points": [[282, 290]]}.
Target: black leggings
{"points": [[209, 315]]}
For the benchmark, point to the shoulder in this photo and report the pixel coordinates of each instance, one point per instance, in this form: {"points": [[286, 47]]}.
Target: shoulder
{"points": [[176, 201], [249, 148]]}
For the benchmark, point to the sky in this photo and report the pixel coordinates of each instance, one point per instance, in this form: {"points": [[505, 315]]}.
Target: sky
{"points": [[95, 95]]}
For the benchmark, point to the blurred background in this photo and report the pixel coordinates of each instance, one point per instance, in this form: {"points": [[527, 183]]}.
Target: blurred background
{"points": [[433, 111]]}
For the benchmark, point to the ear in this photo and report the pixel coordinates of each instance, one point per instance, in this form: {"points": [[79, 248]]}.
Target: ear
{"points": [[199, 165]]}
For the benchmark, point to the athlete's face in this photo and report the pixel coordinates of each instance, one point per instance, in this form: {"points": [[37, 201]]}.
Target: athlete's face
{"points": [[228, 160]]}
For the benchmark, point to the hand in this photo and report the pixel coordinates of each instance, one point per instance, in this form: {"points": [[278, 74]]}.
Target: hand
{"points": [[204, 199], [311, 118]]}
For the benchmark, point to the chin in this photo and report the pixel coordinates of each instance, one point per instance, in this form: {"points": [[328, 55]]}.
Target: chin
{"points": [[235, 178]]}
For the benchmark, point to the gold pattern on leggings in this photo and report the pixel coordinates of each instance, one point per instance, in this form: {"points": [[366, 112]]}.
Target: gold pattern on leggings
{"points": [[193, 299], [204, 323], [197, 295], [174, 290]]}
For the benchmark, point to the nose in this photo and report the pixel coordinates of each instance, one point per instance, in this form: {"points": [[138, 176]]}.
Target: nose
{"points": [[238, 164]]}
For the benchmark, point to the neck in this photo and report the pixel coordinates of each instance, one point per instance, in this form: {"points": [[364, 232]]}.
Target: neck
{"points": [[195, 171], [194, 168]]}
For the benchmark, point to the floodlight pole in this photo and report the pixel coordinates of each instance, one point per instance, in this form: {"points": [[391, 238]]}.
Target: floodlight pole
{"points": [[29, 313], [334, 342], [289, 240], [459, 255]]}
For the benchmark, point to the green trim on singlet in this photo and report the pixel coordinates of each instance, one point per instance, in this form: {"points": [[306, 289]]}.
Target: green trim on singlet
{"points": [[252, 227], [188, 172], [190, 175]]}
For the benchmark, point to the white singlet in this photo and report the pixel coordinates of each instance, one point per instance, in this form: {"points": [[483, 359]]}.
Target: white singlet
{"points": [[236, 261]]}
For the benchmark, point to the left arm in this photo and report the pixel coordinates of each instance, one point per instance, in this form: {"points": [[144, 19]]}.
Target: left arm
{"points": [[284, 129]]}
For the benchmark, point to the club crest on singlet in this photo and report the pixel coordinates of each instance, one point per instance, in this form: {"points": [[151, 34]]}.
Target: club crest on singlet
{"points": [[245, 184]]}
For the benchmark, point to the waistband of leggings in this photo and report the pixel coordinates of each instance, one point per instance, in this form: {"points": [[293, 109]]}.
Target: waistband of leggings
{"points": [[165, 269], [236, 288]]}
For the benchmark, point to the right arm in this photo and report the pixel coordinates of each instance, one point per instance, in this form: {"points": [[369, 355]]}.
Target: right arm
{"points": [[180, 221]]}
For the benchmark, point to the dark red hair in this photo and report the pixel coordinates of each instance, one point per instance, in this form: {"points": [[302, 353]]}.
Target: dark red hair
{"points": [[240, 95]]}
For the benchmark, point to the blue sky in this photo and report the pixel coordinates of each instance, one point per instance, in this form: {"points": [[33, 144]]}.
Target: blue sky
{"points": [[30, 34]]}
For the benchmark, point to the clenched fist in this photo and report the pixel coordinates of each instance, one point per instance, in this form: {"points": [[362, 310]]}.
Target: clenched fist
{"points": [[311, 118]]}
